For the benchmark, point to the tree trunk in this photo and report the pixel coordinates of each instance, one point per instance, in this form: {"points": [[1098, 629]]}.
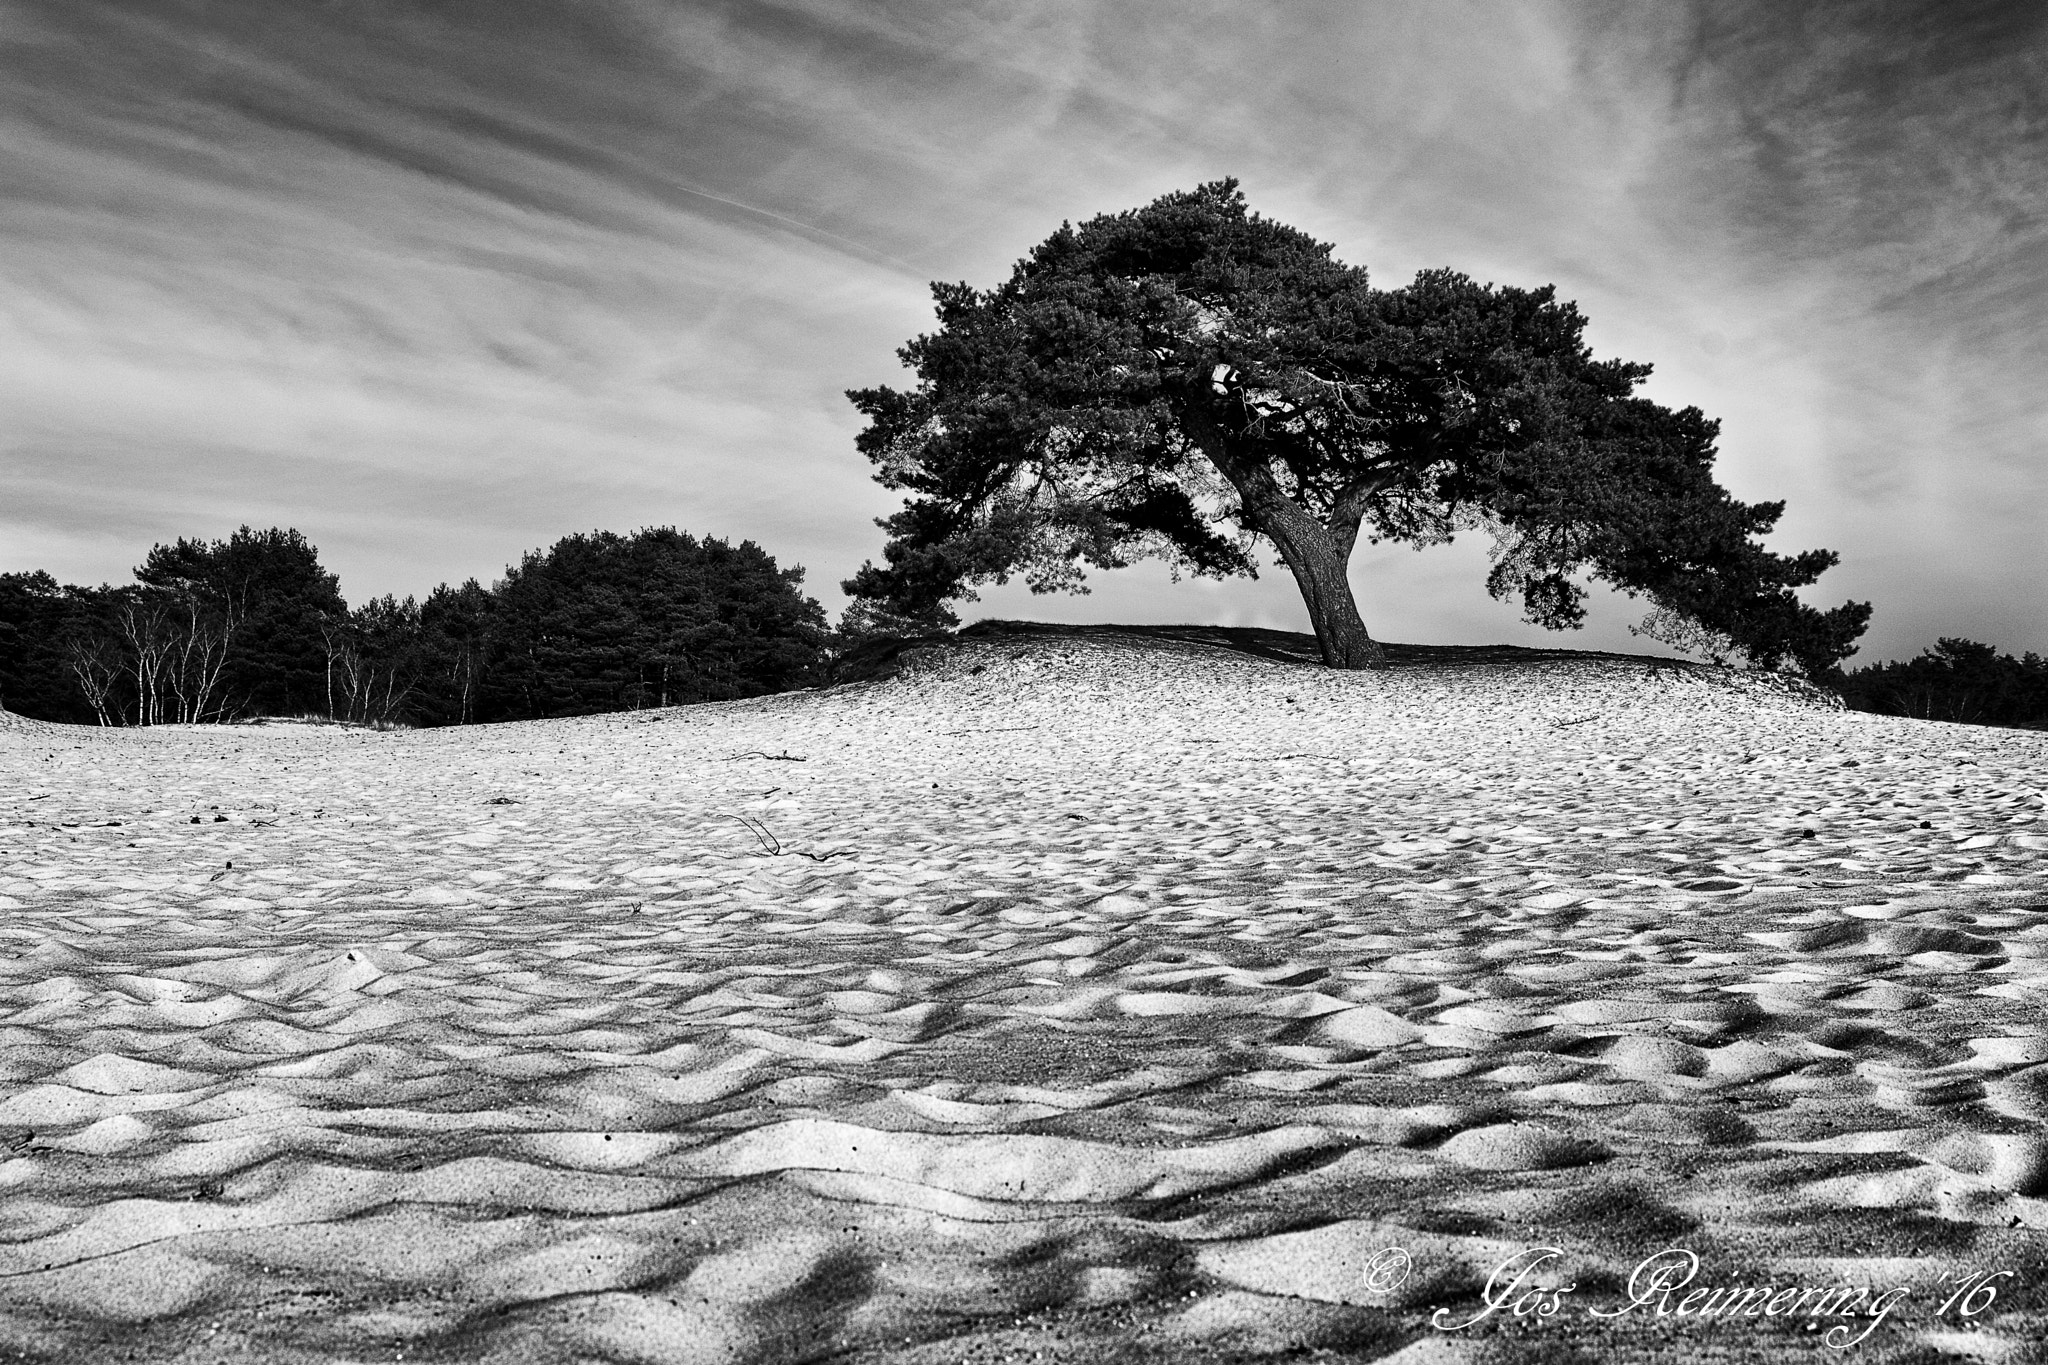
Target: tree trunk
{"points": [[1319, 571], [1316, 554]]}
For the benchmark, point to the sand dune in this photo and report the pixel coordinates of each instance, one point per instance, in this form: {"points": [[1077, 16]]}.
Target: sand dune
{"points": [[1063, 998]]}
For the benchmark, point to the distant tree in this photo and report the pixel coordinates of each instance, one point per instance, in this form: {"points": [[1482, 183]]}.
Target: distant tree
{"points": [[173, 642], [458, 627], [266, 594], [378, 659], [605, 622], [866, 619], [1957, 680], [99, 668], [38, 619], [1188, 379], [752, 631]]}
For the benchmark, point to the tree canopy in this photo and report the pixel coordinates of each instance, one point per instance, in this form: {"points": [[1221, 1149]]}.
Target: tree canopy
{"points": [[37, 615], [1190, 380], [605, 622], [266, 596]]}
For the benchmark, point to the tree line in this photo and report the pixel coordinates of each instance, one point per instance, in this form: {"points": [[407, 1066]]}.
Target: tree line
{"points": [[1957, 680], [253, 625]]}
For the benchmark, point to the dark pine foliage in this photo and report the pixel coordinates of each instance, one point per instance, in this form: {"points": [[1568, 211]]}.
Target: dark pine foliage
{"points": [[1957, 680], [605, 622], [38, 616], [458, 626], [1188, 379], [253, 626], [278, 604]]}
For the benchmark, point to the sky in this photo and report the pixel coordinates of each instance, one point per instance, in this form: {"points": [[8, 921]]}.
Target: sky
{"points": [[439, 282]]}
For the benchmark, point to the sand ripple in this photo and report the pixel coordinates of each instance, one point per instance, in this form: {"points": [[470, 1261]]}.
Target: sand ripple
{"points": [[1093, 998]]}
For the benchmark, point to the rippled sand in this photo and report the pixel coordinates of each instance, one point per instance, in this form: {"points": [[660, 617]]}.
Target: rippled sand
{"points": [[1065, 998]]}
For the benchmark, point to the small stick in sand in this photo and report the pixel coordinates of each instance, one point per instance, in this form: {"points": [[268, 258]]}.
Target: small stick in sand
{"points": [[760, 831]]}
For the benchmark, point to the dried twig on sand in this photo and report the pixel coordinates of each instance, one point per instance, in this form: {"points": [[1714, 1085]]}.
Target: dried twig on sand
{"points": [[760, 831], [774, 848]]}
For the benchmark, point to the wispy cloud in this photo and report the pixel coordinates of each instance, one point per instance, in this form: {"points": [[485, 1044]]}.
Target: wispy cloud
{"points": [[441, 283]]}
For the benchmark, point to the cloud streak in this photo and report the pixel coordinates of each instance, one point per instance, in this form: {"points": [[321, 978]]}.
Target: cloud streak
{"points": [[439, 284]]}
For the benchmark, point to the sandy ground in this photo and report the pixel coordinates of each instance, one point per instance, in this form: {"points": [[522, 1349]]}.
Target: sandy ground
{"points": [[1062, 999]]}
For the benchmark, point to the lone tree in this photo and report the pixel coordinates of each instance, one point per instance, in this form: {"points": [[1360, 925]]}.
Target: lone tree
{"points": [[1187, 380]]}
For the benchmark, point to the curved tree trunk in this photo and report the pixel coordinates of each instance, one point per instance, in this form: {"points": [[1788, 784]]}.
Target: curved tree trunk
{"points": [[1316, 553], [1326, 591]]}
